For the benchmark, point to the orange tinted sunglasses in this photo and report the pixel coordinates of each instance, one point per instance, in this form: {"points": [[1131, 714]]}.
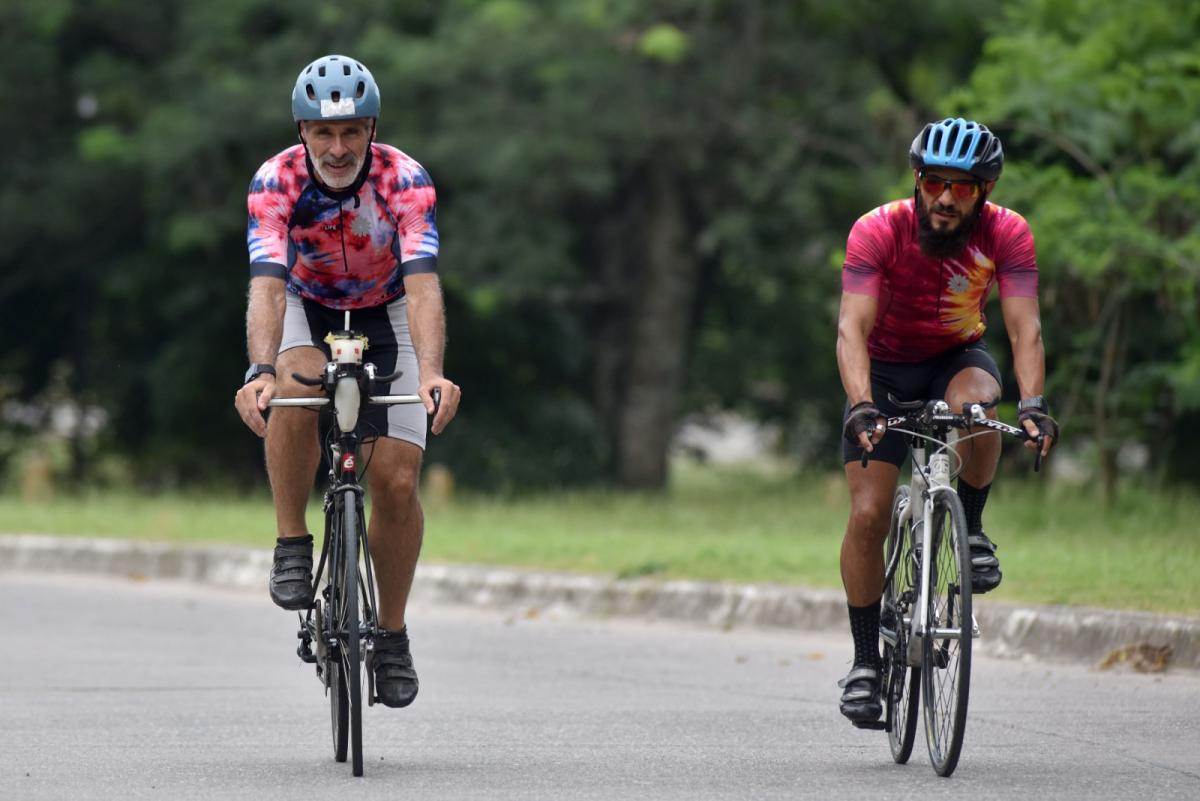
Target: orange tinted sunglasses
{"points": [[965, 189]]}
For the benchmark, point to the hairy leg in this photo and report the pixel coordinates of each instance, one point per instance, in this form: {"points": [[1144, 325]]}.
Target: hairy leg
{"points": [[871, 491], [397, 524], [980, 454], [292, 449]]}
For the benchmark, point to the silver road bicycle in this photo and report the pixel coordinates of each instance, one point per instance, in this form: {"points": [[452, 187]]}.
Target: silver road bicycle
{"points": [[926, 622]]}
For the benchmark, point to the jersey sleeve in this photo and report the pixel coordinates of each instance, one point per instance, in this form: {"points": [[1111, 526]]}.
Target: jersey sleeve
{"points": [[416, 214], [866, 255], [1016, 259], [267, 226]]}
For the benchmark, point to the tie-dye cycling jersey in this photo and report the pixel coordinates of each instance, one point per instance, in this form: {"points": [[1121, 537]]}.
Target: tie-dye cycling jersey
{"points": [[343, 254], [928, 306]]}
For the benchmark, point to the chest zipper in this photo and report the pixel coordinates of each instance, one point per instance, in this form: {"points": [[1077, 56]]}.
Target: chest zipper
{"points": [[342, 232]]}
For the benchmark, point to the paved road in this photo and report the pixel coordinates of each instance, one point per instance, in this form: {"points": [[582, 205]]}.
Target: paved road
{"points": [[130, 690]]}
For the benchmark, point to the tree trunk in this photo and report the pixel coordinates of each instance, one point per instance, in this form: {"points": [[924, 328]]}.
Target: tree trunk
{"points": [[659, 296], [1107, 439]]}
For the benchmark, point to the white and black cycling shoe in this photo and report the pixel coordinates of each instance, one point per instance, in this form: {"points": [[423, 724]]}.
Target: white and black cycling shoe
{"points": [[985, 567], [861, 701]]}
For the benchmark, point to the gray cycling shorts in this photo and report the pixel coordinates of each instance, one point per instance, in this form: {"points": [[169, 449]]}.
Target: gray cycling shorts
{"points": [[389, 347]]}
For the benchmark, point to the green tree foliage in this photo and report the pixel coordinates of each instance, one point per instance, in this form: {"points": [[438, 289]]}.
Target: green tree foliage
{"points": [[641, 203], [1099, 107]]}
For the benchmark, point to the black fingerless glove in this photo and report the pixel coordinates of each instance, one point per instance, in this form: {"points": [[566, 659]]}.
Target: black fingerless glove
{"points": [[863, 417], [1044, 422]]}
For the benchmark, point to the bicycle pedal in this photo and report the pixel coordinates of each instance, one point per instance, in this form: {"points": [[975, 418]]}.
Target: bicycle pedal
{"points": [[875, 725]]}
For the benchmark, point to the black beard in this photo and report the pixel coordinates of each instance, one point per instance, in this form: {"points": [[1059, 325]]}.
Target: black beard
{"points": [[944, 244]]}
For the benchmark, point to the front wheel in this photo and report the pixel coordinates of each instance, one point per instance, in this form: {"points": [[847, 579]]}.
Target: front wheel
{"points": [[901, 684], [349, 633], [947, 641]]}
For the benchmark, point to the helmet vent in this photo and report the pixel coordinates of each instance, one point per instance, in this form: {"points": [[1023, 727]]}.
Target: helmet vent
{"points": [[321, 70], [335, 96], [312, 93], [345, 69], [360, 90]]}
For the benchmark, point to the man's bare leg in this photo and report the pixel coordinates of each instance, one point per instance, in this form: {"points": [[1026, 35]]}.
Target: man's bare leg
{"points": [[395, 532], [292, 449], [292, 458]]}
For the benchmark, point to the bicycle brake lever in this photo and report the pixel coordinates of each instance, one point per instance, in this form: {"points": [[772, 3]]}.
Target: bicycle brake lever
{"points": [[864, 460], [1037, 457], [308, 382]]}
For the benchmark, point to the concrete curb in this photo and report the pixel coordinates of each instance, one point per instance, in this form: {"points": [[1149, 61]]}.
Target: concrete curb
{"points": [[1056, 633]]}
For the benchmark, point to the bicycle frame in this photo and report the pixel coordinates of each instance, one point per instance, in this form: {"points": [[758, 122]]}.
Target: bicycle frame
{"points": [[930, 477]]}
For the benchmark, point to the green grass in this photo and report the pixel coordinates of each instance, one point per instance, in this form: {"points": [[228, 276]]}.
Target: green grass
{"points": [[1056, 546]]}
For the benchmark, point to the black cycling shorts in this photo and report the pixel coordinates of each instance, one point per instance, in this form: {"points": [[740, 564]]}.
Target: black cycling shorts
{"points": [[909, 381]]}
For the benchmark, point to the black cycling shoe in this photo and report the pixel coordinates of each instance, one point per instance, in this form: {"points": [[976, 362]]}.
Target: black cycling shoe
{"points": [[861, 701], [395, 678], [291, 574], [985, 567]]}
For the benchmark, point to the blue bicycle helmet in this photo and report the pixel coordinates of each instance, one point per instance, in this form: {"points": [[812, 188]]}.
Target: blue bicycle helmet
{"points": [[959, 144], [335, 88]]}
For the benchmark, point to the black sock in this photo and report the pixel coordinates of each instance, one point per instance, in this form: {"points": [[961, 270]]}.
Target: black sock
{"points": [[306, 539], [402, 634], [864, 626], [973, 500]]}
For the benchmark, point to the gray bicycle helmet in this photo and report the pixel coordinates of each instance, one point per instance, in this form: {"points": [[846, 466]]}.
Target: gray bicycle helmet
{"points": [[960, 144], [335, 88]]}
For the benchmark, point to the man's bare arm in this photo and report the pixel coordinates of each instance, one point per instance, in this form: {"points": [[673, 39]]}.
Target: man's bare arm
{"points": [[1022, 319], [855, 321], [264, 331], [264, 319], [427, 325]]}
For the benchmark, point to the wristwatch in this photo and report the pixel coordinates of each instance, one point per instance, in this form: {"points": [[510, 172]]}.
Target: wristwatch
{"points": [[1034, 403], [256, 370]]}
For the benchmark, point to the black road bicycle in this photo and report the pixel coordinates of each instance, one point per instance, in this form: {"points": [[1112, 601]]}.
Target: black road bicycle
{"points": [[926, 622], [337, 631]]}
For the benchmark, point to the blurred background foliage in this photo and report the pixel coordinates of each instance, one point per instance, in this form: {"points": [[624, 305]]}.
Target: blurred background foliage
{"points": [[643, 207]]}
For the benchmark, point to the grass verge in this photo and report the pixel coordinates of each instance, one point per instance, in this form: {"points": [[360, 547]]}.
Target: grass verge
{"points": [[1057, 546]]}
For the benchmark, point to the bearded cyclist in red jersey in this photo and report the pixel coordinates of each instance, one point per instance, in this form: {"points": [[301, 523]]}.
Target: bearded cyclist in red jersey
{"points": [[336, 223], [916, 277]]}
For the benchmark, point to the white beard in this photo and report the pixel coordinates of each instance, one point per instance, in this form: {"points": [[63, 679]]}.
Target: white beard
{"points": [[339, 183]]}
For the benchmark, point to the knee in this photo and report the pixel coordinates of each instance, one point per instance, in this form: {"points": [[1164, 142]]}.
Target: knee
{"points": [[869, 521], [396, 490]]}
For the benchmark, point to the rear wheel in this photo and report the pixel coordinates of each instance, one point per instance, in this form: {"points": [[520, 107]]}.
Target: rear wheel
{"points": [[901, 684], [339, 708], [947, 643]]}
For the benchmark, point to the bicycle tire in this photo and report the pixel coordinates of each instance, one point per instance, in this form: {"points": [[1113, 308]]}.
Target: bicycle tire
{"points": [[901, 683], [339, 708], [946, 658], [339, 703], [350, 632]]}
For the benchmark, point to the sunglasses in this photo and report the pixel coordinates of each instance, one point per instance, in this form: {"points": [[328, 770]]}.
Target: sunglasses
{"points": [[966, 189]]}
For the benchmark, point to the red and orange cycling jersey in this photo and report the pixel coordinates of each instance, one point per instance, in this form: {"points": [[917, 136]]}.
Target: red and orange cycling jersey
{"points": [[927, 305], [347, 250]]}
